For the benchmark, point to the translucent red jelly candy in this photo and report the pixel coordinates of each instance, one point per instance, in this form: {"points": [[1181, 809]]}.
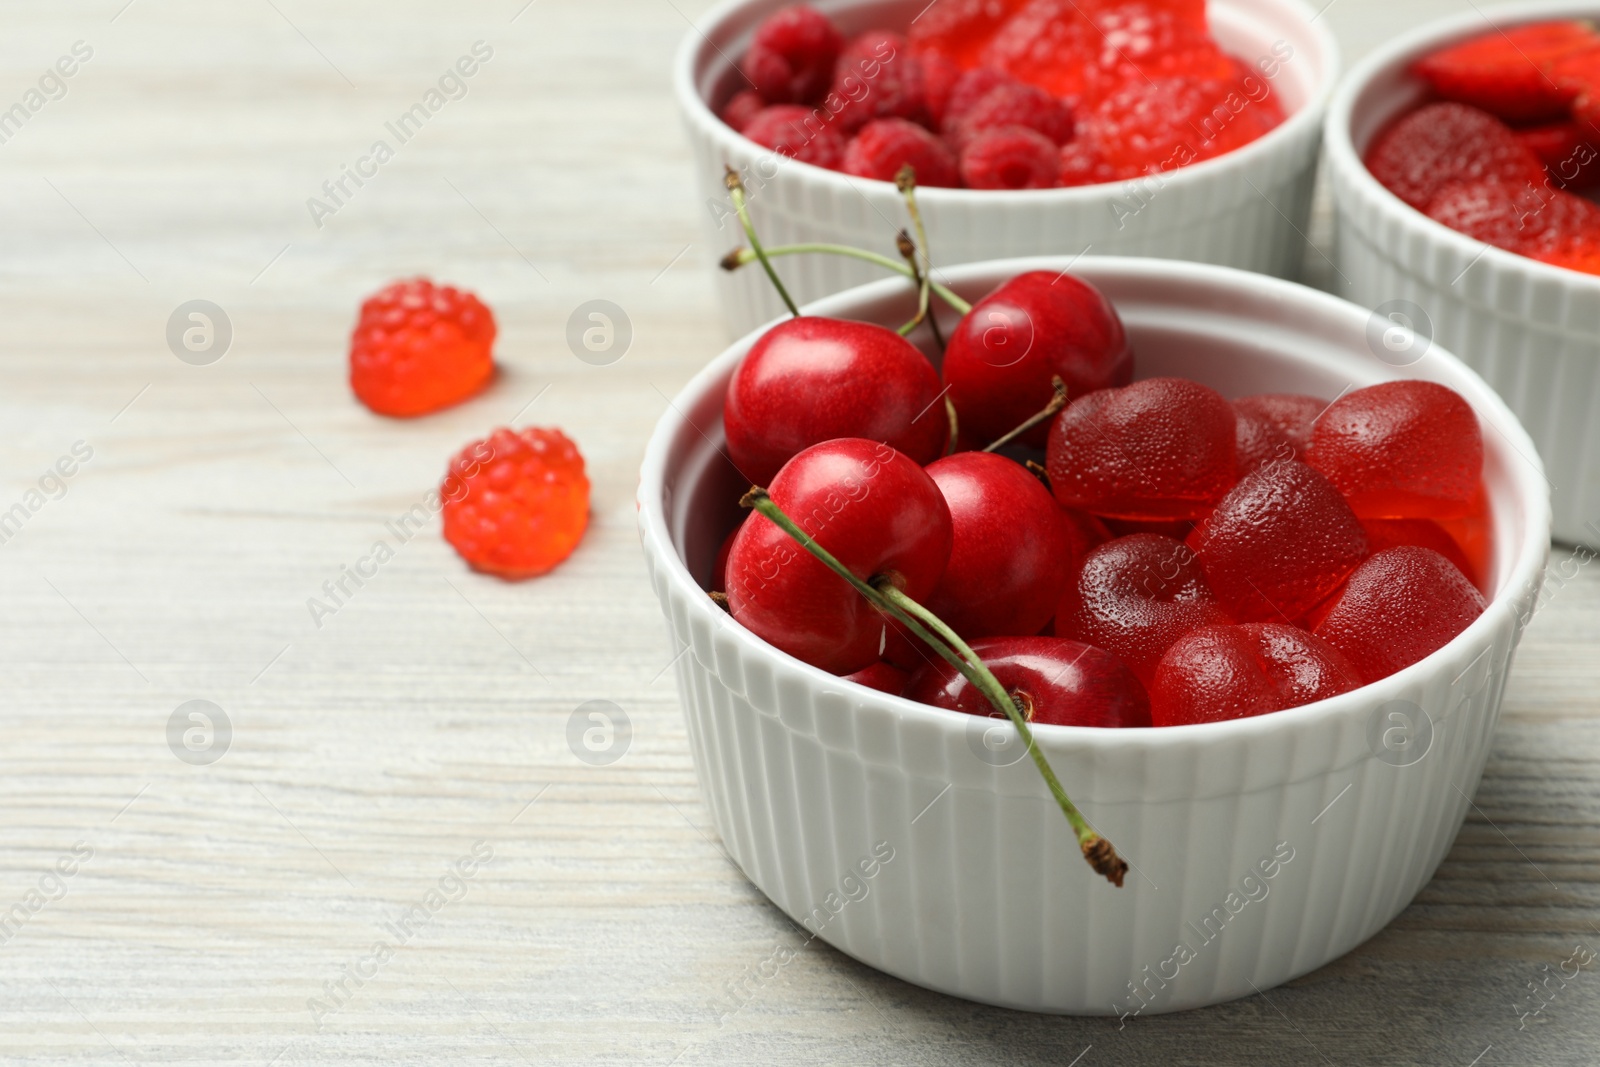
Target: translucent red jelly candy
{"points": [[1064, 683], [1401, 450], [1259, 440], [1233, 672], [1398, 607], [1135, 596], [1162, 448], [1423, 533], [1279, 543], [1293, 413]]}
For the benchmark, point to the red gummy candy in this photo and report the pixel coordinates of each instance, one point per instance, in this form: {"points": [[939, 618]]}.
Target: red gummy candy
{"points": [[1504, 71], [1234, 672], [1012, 104], [1051, 44], [1279, 542], [1004, 352], [1570, 152], [1161, 448], [1399, 606], [959, 30], [1084, 531], [1158, 125], [1421, 533], [1401, 450], [792, 54], [1082, 162], [1260, 440], [1441, 144], [1528, 220], [1474, 532], [1012, 157], [885, 145], [1135, 596], [1060, 682], [1293, 413], [877, 77], [798, 132]]}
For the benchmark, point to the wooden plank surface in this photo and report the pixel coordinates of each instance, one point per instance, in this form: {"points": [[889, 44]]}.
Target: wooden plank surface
{"points": [[424, 723]]}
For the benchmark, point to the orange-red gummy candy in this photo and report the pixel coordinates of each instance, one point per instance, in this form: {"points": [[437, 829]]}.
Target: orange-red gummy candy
{"points": [[517, 503]]}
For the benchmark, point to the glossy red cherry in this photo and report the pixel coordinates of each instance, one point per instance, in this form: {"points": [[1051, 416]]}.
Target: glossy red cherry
{"points": [[1292, 413], [1064, 683], [1398, 607], [809, 380], [884, 677], [1233, 672], [1280, 541], [1012, 550], [1135, 596], [1161, 448], [1401, 450], [1032, 328], [877, 512]]}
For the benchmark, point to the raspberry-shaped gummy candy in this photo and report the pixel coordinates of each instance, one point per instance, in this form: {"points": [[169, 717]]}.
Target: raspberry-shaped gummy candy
{"points": [[420, 347], [517, 503]]}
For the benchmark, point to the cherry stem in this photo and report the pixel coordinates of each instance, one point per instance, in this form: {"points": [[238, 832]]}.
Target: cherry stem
{"points": [[736, 194], [955, 425], [883, 594], [1057, 402], [908, 252], [906, 182], [741, 256]]}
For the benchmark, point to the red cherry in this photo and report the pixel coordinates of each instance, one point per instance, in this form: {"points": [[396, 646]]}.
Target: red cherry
{"points": [[1279, 542], [1012, 552], [1161, 448], [877, 512], [1234, 672], [1292, 413], [810, 380], [1135, 596], [1035, 327], [1401, 450], [884, 677], [1064, 683], [1399, 606]]}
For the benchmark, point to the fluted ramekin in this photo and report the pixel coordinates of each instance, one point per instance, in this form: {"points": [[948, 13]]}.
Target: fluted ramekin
{"points": [[898, 835], [1532, 330], [1245, 209]]}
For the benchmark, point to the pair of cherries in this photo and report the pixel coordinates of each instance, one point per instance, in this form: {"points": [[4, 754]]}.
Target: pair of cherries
{"points": [[1275, 550]]}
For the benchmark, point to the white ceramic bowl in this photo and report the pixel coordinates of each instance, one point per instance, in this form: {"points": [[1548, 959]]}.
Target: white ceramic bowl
{"points": [[1532, 330], [1246, 209], [813, 782]]}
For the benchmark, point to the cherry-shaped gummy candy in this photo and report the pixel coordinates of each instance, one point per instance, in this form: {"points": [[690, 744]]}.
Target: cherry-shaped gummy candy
{"points": [[1279, 542], [1161, 448], [809, 380], [1005, 352], [1135, 596], [1060, 682], [1234, 672], [1399, 606], [1401, 450], [1012, 551], [877, 512], [1293, 413]]}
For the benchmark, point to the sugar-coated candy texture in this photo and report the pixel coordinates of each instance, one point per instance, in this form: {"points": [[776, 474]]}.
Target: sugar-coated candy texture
{"points": [[885, 145], [1011, 157], [798, 132], [517, 503], [1059, 682], [1135, 596], [1278, 543], [877, 77], [1052, 44], [1529, 220], [1161, 448], [1422, 533], [1082, 162], [792, 54], [810, 380], [1010, 104], [1233, 672], [1012, 552], [1441, 144], [1150, 126], [1038, 325], [1293, 413], [420, 347], [959, 30], [876, 511], [1259, 440], [884, 677], [1401, 450], [1398, 607], [1504, 71]]}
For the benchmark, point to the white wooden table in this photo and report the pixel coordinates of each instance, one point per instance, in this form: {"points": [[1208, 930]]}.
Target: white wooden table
{"points": [[213, 907]]}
